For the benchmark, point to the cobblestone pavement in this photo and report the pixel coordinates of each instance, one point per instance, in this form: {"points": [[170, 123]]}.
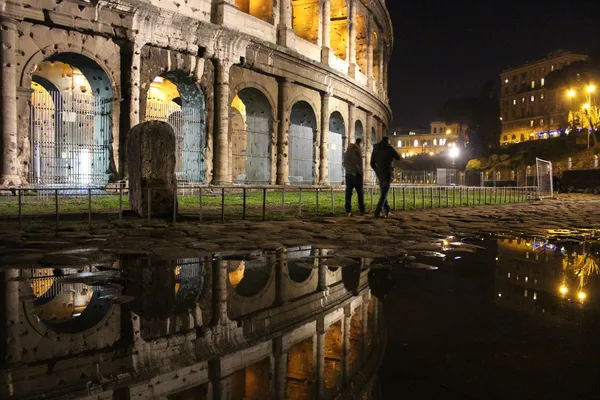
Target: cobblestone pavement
{"points": [[401, 231]]}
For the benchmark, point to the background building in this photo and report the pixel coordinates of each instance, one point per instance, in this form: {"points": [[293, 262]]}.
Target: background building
{"points": [[441, 136], [528, 109], [258, 92]]}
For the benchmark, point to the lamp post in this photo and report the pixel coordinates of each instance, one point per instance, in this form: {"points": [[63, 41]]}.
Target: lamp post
{"points": [[453, 154]]}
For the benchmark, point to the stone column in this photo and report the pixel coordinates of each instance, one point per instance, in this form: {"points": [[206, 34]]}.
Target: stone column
{"points": [[321, 332], [346, 336], [326, 53], [10, 348], [324, 143], [134, 73], [8, 106], [351, 124], [352, 37], [222, 174], [220, 9], [370, 52], [322, 283], [219, 295], [285, 33], [380, 61], [281, 359], [365, 325], [283, 131]]}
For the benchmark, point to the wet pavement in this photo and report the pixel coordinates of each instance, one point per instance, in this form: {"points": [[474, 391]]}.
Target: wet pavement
{"points": [[483, 302]]}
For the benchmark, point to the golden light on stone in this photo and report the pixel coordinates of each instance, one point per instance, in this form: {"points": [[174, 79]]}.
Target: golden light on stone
{"points": [[236, 276]]}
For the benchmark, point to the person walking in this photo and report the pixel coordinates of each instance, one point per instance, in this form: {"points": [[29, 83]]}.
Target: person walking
{"points": [[382, 162], [353, 164]]}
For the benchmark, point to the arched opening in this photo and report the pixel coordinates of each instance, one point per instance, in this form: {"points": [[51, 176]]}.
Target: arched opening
{"points": [[199, 392], [522, 137], [362, 38], [334, 356], [248, 277], [174, 98], [358, 130], [301, 371], [297, 263], [261, 9], [71, 122], [335, 154], [306, 19], [339, 28], [303, 126], [67, 306], [356, 338], [250, 130], [252, 382]]}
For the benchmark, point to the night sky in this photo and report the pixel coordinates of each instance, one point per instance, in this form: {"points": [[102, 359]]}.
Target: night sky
{"points": [[445, 49]]}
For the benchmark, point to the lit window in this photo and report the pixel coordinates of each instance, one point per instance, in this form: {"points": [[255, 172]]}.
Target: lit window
{"points": [[523, 100], [534, 295], [399, 143], [525, 293], [543, 82], [533, 84], [542, 96], [416, 143], [541, 121], [552, 68], [435, 142], [514, 102], [531, 123], [532, 98], [506, 80], [509, 275], [526, 279]]}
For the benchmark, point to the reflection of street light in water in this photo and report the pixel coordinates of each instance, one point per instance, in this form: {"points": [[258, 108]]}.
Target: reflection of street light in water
{"points": [[563, 290], [453, 154]]}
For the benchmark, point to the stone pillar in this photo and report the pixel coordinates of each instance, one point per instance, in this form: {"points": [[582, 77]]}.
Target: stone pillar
{"points": [[220, 9], [322, 283], [283, 131], [219, 316], [222, 388], [222, 174], [370, 52], [326, 53], [10, 347], [365, 325], [8, 106], [351, 124], [380, 61], [346, 336], [134, 73], [324, 143], [281, 359], [321, 332], [352, 37], [285, 33]]}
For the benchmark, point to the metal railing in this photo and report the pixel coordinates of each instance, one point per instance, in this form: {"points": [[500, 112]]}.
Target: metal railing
{"points": [[221, 203]]}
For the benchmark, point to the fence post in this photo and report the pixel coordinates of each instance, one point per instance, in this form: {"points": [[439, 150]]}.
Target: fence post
{"points": [[200, 201], [20, 200], [484, 196], [283, 202], [175, 205], [423, 197], [222, 204], [414, 190], [121, 201], [317, 201], [56, 206], [394, 198], [332, 202], [264, 206], [447, 197], [300, 203], [439, 190], [371, 192], [403, 197], [149, 203], [431, 196], [244, 203], [89, 208], [467, 196]]}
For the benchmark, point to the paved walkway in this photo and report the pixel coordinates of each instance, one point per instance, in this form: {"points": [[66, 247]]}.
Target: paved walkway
{"points": [[403, 230]]}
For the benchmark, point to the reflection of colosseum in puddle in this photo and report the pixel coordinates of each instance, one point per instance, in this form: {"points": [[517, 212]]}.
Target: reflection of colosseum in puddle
{"points": [[556, 278], [272, 325]]}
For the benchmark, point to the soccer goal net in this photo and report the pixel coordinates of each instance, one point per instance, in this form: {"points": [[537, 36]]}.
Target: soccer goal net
{"points": [[544, 178]]}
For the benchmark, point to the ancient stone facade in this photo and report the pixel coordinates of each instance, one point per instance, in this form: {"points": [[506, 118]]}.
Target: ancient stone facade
{"points": [[274, 325], [250, 87]]}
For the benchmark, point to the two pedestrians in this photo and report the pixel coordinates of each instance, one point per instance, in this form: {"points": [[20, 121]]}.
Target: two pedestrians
{"points": [[382, 162], [353, 165]]}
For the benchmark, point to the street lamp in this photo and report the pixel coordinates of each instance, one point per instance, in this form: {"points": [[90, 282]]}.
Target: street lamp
{"points": [[453, 154]]}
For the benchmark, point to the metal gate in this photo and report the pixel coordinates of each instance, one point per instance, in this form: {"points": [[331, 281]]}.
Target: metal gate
{"points": [[251, 151], [301, 154], [70, 139], [188, 126], [335, 156]]}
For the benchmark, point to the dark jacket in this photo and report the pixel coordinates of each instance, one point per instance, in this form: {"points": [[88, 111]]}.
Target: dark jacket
{"points": [[353, 161], [382, 160]]}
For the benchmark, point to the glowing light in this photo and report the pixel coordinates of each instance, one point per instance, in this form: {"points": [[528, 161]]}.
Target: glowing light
{"points": [[454, 152], [564, 290], [586, 106], [159, 79], [581, 296], [571, 93], [591, 88], [448, 131]]}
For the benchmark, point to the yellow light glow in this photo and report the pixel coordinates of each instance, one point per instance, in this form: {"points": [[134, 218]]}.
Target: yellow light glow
{"points": [[581, 296], [591, 88], [586, 106], [448, 131], [564, 290], [571, 93]]}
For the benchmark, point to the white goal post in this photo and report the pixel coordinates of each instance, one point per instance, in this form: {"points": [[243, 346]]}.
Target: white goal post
{"points": [[545, 187]]}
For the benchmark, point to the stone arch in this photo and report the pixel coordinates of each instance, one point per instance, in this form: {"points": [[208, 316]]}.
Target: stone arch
{"points": [[78, 153], [174, 97], [359, 132], [251, 132], [337, 139], [302, 137], [249, 284]]}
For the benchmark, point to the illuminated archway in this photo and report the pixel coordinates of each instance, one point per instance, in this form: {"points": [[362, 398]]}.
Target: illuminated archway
{"points": [[250, 130], [335, 154], [301, 364], [303, 126], [174, 98], [362, 38], [376, 55], [252, 382], [71, 126], [339, 28], [306, 20], [262, 9], [334, 356]]}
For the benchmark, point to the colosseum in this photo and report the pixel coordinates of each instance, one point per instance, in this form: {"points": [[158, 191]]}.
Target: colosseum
{"points": [[257, 91]]}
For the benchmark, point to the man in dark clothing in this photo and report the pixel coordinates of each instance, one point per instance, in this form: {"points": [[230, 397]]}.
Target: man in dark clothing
{"points": [[382, 162], [353, 164]]}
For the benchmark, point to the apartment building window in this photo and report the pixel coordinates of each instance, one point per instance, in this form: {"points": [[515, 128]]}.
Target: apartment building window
{"points": [[434, 130], [541, 121], [514, 102], [552, 68], [523, 100], [542, 82], [506, 80], [531, 123], [505, 138], [533, 84], [505, 91], [551, 121], [416, 143], [542, 96], [532, 98], [435, 142], [399, 143]]}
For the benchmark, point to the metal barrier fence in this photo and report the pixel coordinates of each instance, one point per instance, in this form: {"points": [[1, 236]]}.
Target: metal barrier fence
{"points": [[208, 203]]}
